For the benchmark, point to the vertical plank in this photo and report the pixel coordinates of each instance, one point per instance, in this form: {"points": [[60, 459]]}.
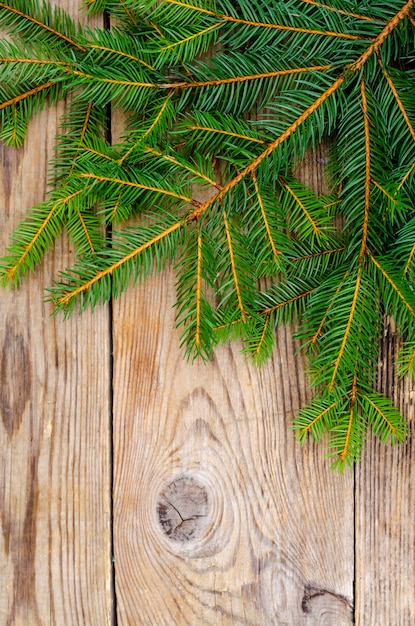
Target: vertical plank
{"points": [[385, 502], [54, 427], [219, 516]]}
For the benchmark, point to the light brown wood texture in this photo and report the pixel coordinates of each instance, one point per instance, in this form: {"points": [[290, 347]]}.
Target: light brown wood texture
{"points": [[55, 526], [385, 503], [188, 472], [274, 543]]}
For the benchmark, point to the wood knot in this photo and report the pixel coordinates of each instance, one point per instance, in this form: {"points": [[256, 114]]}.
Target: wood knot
{"points": [[182, 509], [15, 377], [317, 602]]}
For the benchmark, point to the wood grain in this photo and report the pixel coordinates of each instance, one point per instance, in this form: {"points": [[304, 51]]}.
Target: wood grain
{"points": [[55, 534], [220, 517], [385, 503]]}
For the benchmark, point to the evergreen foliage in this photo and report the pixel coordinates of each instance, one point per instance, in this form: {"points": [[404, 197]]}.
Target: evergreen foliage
{"points": [[227, 96]]}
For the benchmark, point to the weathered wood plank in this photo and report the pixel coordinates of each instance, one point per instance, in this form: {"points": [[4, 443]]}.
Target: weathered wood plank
{"points": [[55, 563], [220, 517], [385, 503]]}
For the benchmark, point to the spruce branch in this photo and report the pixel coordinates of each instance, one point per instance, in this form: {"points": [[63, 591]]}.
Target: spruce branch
{"points": [[227, 98]]}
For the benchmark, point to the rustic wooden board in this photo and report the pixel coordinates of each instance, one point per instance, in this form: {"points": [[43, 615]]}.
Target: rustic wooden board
{"points": [[385, 504], [220, 517], [55, 538]]}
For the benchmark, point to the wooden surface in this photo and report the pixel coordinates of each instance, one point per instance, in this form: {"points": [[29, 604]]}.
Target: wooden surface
{"points": [[276, 539], [55, 537], [181, 482], [385, 502]]}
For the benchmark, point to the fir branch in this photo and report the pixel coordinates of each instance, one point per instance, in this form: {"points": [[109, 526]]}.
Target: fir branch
{"points": [[33, 61], [128, 12], [363, 249], [233, 268], [114, 81], [385, 420], [198, 290], [229, 98], [27, 94], [82, 135], [382, 189], [243, 78], [19, 9], [129, 183], [347, 451], [265, 219], [309, 219], [194, 312], [327, 7], [399, 102], [183, 166], [235, 20], [406, 176], [273, 146], [153, 125], [380, 39], [104, 46], [406, 360], [33, 238], [218, 127], [73, 290], [405, 245], [259, 349], [347, 330], [405, 297], [332, 300], [186, 40], [313, 423], [287, 302]]}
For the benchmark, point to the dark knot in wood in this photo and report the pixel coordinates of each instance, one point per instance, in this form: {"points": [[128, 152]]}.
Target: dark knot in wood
{"points": [[183, 508], [15, 376], [318, 601]]}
